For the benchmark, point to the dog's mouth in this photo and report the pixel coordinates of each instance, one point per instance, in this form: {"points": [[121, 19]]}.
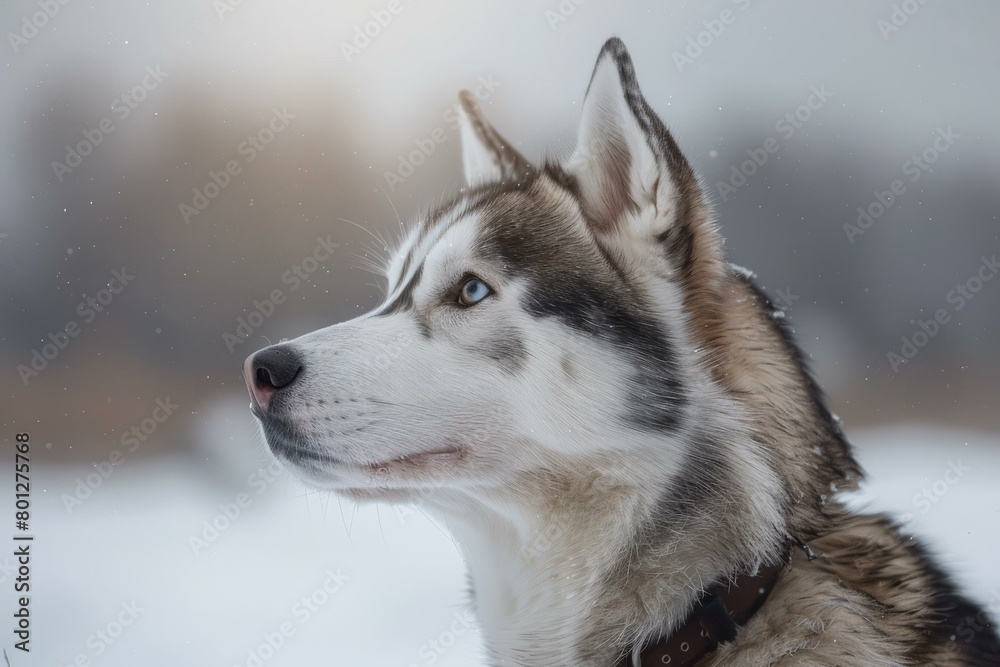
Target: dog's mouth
{"points": [[415, 460], [372, 480], [399, 479], [348, 470]]}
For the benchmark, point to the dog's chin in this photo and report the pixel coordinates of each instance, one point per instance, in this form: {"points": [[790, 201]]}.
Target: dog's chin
{"points": [[382, 495], [362, 492]]}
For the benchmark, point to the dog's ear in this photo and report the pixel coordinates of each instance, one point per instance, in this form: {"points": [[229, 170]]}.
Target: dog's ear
{"points": [[487, 157], [626, 163]]}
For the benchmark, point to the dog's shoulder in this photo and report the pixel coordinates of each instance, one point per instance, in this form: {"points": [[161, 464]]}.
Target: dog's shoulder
{"points": [[870, 595]]}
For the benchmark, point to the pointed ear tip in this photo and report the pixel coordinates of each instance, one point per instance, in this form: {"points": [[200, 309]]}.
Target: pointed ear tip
{"points": [[615, 46], [615, 50], [613, 61], [467, 100], [614, 68]]}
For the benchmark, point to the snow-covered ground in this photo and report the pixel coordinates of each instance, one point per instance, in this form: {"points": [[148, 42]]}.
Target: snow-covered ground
{"points": [[328, 583]]}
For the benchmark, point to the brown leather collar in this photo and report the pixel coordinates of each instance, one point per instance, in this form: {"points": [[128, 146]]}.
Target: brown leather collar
{"points": [[713, 621]]}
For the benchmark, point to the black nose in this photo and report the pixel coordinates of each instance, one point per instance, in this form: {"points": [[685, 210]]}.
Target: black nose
{"points": [[276, 366], [269, 370]]}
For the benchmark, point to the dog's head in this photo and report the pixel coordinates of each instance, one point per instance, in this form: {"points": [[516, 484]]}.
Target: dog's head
{"points": [[547, 317]]}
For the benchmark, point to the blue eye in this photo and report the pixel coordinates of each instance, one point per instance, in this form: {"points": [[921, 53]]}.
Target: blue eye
{"points": [[473, 291]]}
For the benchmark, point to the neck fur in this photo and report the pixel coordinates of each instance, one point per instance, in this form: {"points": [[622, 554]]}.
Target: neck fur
{"points": [[574, 568]]}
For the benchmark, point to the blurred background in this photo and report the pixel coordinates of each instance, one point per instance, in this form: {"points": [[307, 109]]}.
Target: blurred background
{"points": [[181, 183]]}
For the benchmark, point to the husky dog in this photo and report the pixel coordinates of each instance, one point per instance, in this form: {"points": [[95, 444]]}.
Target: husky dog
{"points": [[612, 420]]}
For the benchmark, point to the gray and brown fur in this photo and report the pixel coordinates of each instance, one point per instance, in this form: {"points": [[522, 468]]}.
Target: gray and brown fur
{"points": [[580, 553], [872, 596]]}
